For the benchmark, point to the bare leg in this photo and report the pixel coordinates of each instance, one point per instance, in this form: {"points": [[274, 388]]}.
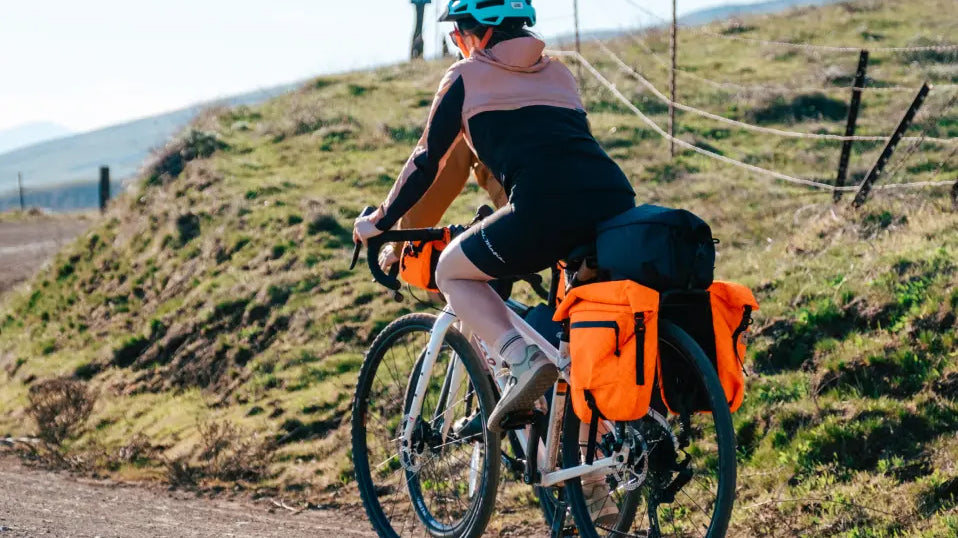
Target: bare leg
{"points": [[467, 290]]}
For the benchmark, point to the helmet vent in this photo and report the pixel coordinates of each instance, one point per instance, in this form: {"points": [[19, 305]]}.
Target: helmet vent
{"points": [[490, 3]]}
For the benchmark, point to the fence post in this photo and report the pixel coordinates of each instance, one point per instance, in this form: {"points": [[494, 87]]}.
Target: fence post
{"points": [[23, 206], [674, 42], [886, 154], [852, 120], [418, 44], [104, 187], [578, 38]]}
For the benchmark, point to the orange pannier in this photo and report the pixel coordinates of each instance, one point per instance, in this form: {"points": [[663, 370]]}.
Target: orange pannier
{"points": [[614, 347], [732, 307], [417, 266], [719, 327]]}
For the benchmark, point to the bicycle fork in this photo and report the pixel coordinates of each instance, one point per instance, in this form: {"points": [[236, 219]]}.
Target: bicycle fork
{"points": [[406, 449]]}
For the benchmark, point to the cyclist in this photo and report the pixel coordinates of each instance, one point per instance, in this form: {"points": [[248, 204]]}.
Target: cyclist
{"points": [[521, 114]]}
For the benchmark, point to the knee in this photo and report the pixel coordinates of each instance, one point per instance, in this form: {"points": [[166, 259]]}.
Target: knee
{"points": [[445, 270]]}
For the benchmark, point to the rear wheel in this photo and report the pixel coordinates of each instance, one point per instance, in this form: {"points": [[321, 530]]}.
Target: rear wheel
{"points": [[446, 488], [680, 478]]}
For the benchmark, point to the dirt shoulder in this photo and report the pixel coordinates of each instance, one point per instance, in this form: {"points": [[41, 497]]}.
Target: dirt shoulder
{"points": [[42, 503], [26, 244]]}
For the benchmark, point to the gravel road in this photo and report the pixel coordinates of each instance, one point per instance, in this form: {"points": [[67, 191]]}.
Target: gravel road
{"points": [[26, 246], [36, 503]]}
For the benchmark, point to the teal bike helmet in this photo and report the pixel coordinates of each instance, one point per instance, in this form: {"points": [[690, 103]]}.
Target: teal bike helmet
{"points": [[490, 12]]}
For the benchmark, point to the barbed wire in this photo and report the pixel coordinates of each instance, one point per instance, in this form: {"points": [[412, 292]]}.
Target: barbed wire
{"points": [[830, 48], [732, 162], [756, 128]]}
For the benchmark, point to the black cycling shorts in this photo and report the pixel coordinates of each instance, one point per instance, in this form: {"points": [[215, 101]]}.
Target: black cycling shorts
{"points": [[528, 236]]}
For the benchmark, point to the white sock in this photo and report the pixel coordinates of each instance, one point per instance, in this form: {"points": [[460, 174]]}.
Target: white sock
{"points": [[511, 347]]}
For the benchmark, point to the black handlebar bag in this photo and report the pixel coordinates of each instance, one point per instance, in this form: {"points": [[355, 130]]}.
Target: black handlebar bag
{"points": [[661, 248]]}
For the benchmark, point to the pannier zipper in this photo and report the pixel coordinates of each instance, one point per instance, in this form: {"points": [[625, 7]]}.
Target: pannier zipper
{"points": [[640, 348], [601, 325]]}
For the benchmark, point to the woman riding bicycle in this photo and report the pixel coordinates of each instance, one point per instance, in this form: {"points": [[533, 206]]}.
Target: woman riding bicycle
{"points": [[521, 114]]}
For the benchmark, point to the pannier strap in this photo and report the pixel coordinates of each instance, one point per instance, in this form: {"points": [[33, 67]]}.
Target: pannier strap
{"points": [[593, 427], [640, 348], [742, 327]]}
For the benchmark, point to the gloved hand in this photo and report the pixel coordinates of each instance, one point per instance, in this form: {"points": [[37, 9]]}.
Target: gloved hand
{"points": [[388, 257], [365, 227]]}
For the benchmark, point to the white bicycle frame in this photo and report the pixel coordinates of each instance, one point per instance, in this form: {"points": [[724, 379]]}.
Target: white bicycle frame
{"points": [[548, 450]]}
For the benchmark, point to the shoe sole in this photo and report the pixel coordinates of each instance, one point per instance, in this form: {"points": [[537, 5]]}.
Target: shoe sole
{"points": [[536, 387]]}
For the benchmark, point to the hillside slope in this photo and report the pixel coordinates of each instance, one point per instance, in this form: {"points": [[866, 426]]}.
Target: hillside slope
{"points": [[217, 290]]}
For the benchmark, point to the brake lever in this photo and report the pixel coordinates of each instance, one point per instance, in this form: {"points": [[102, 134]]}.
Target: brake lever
{"points": [[369, 210]]}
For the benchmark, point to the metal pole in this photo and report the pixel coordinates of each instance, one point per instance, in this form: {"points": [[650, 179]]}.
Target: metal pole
{"points": [[23, 206], [852, 120], [104, 187], [578, 37], [886, 154], [674, 46]]}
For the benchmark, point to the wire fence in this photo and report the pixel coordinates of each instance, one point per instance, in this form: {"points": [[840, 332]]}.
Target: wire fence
{"points": [[764, 172], [929, 118], [756, 128], [24, 192]]}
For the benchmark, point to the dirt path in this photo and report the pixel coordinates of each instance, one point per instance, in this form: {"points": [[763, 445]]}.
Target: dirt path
{"points": [[35, 503], [25, 246]]}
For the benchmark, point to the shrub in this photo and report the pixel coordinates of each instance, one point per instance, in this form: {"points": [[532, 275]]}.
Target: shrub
{"points": [[228, 453], [60, 408], [171, 161]]}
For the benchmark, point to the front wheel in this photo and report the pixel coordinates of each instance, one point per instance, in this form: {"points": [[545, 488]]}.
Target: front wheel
{"points": [[680, 479], [446, 489]]}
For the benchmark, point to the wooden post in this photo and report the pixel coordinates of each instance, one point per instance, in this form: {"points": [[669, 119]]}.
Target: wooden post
{"points": [[674, 46], [852, 120], [954, 195], [23, 206], [104, 187], [418, 44], [578, 37], [886, 154]]}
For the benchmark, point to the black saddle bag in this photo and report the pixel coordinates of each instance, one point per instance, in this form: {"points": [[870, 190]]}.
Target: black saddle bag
{"points": [[661, 248]]}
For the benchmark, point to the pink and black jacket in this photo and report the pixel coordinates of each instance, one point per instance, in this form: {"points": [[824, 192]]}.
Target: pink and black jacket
{"points": [[520, 113]]}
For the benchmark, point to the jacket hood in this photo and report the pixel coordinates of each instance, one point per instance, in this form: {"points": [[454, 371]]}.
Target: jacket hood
{"points": [[523, 54]]}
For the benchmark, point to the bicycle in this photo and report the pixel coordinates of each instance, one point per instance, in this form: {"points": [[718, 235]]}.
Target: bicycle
{"points": [[436, 470]]}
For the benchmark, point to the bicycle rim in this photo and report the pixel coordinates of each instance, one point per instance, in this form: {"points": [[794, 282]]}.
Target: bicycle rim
{"points": [[644, 494], [446, 493]]}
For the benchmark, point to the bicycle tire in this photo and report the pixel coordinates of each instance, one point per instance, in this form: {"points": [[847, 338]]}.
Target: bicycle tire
{"points": [[474, 521], [674, 338]]}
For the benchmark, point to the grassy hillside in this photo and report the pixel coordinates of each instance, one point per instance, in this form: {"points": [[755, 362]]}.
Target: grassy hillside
{"points": [[217, 290]]}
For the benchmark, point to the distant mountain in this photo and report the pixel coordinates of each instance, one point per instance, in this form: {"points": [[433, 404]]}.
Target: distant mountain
{"points": [[122, 147], [30, 133], [709, 15]]}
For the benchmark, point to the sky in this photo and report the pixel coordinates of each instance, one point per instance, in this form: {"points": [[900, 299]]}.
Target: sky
{"points": [[92, 63]]}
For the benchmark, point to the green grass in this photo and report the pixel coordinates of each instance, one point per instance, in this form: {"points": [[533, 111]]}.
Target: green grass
{"points": [[221, 292]]}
